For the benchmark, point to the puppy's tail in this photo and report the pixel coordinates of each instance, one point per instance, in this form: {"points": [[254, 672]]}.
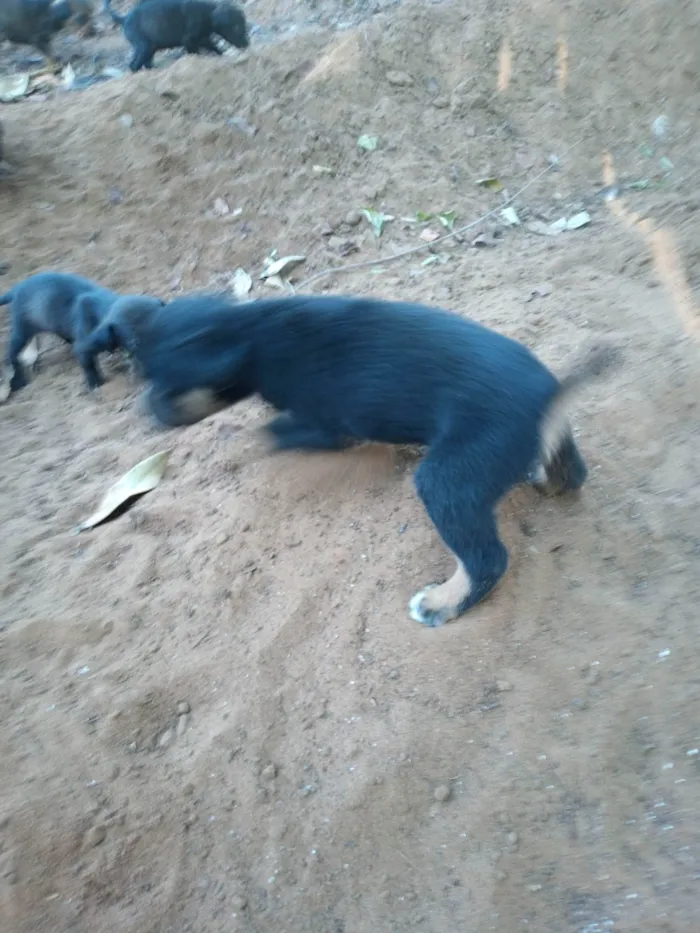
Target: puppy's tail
{"points": [[7, 297], [595, 360]]}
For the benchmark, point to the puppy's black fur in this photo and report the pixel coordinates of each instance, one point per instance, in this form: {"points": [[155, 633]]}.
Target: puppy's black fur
{"points": [[342, 370], [35, 22], [60, 303], [171, 24]]}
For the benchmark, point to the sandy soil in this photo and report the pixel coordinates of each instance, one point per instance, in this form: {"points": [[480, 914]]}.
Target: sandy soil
{"points": [[217, 715]]}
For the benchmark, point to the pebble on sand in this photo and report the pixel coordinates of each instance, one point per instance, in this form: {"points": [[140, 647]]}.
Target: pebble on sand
{"points": [[183, 707], [269, 772], [96, 835], [399, 78], [442, 793]]}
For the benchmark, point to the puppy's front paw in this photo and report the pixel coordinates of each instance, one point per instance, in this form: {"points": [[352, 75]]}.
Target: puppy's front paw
{"points": [[421, 610]]}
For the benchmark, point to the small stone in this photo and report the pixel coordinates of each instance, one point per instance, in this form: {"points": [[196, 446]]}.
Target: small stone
{"points": [[353, 218], [238, 902], [96, 835], [512, 839], [534, 888], [441, 103], [399, 78], [221, 538], [269, 772], [182, 723], [166, 738], [126, 120], [504, 686], [442, 793], [183, 707], [660, 126]]}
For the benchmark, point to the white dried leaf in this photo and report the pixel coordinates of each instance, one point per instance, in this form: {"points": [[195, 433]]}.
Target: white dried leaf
{"points": [[242, 284], [140, 479], [283, 265]]}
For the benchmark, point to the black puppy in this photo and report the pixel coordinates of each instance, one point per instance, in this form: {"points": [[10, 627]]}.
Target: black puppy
{"points": [[35, 22], [171, 24], [60, 303], [345, 369]]}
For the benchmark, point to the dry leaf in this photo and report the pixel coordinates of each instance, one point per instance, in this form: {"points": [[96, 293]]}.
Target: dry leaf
{"points": [[539, 291], [242, 284], [285, 264], [510, 216], [5, 390], [68, 77], [275, 281], [429, 235], [140, 479], [12, 87], [221, 208], [578, 220]]}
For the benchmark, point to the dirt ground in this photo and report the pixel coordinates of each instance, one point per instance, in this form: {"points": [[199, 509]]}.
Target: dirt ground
{"points": [[217, 715]]}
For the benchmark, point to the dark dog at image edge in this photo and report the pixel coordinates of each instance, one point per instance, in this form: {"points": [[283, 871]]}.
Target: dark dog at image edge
{"points": [[342, 370], [69, 306]]}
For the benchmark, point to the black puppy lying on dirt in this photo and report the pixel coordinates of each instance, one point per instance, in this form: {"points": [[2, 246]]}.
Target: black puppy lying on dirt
{"points": [[172, 24], [346, 369], [69, 306], [35, 22]]}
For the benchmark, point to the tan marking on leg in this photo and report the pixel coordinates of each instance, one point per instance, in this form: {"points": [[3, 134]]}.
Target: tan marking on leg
{"points": [[197, 404], [553, 430], [437, 604], [451, 593]]}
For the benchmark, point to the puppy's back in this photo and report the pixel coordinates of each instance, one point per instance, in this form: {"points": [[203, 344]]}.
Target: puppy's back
{"points": [[415, 360]]}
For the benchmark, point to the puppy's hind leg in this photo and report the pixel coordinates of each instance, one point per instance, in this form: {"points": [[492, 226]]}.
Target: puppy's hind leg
{"points": [[143, 53], [457, 500], [85, 324], [22, 333]]}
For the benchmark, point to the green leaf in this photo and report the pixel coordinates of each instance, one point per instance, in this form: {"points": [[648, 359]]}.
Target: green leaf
{"points": [[423, 218], [368, 143], [447, 219], [493, 184], [377, 220]]}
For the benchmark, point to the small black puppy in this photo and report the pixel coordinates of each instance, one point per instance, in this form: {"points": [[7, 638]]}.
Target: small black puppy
{"points": [[35, 22], [60, 303], [344, 369], [172, 24]]}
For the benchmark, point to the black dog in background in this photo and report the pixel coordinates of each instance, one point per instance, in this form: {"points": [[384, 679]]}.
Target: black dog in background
{"points": [[342, 370], [35, 22], [170, 24]]}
